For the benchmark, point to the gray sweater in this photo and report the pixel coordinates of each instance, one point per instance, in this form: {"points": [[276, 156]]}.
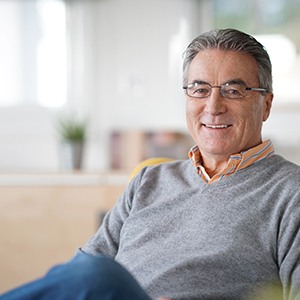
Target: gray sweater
{"points": [[185, 239]]}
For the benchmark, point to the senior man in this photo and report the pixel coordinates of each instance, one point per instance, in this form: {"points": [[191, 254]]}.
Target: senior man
{"points": [[223, 224]]}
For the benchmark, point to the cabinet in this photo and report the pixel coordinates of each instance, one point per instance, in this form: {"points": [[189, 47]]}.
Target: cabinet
{"points": [[45, 218]]}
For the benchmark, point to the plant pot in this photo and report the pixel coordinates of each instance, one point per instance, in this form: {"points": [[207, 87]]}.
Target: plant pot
{"points": [[71, 155]]}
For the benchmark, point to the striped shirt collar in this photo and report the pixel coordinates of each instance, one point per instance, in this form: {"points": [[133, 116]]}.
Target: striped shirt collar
{"points": [[236, 161]]}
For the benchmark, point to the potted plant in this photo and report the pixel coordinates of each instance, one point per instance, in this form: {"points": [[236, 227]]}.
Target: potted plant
{"points": [[72, 132]]}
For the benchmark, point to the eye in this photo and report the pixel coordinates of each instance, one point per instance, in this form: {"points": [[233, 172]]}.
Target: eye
{"points": [[199, 90], [234, 90]]}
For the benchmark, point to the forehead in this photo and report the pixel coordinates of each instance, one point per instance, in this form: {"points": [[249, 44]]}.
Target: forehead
{"points": [[218, 66]]}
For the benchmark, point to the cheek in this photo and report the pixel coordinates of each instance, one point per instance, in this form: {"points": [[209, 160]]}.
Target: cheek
{"points": [[252, 118], [189, 121], [258, 113], [192, 115]]}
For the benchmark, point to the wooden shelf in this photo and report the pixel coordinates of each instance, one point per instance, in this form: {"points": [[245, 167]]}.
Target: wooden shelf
{"points": [[44, 218]]}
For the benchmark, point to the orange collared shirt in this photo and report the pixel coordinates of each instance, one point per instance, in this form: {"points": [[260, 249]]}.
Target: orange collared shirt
{"points": [[236, 161]]}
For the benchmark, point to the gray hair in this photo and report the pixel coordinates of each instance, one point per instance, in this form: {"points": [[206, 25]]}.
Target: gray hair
{"points": [[234, 40]]}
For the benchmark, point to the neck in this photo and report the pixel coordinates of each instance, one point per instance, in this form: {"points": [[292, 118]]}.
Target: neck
{"points": [[214, 166]]}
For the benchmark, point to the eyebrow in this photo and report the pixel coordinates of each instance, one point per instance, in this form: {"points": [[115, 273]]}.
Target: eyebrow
{"points": [[235, 81], [198, 82], [231, 81]]}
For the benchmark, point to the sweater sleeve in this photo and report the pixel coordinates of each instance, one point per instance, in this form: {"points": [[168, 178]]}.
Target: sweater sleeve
{"points": [[106, 240], [289, 248]]}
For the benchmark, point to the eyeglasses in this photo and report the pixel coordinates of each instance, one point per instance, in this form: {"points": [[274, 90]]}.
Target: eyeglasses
{"points": [[229, 90]]}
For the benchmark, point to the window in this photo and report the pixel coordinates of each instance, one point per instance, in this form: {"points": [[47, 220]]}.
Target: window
{"points": [[32, 53], [275, 24]]}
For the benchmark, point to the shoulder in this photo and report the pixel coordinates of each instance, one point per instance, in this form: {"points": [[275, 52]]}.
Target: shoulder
{"points": [[176, 171], [170, 167], [282, 178], [283, 168]]}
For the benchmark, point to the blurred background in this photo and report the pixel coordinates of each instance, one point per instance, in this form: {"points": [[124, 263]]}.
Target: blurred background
{"points": [[114, 66], [118, 63]]}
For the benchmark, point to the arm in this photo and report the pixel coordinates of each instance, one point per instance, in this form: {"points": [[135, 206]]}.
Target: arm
{"points": [[289, 249], [106, 240]]}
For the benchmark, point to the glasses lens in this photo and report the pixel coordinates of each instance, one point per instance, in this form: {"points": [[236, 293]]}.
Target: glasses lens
{"points": [[198, 90], [233, 91]]}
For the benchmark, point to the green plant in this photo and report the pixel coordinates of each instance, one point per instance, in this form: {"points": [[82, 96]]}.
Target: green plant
{"points": [[72, 130]]}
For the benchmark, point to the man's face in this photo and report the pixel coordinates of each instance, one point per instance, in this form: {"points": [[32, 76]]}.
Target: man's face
{"points": [[219, 126]]}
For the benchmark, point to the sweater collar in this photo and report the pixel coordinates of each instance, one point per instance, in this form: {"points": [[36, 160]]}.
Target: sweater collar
{"points": [[236, 161]]}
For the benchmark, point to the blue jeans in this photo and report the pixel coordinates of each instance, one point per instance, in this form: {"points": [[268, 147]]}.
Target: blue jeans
{"points": [[85, 277]]}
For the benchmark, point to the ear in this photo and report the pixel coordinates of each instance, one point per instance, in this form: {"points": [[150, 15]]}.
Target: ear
{"points": [[268, 99]]}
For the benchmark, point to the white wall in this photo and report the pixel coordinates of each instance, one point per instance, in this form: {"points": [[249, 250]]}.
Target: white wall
{"points": [[27, 139], [282, 128], [140, 45]]}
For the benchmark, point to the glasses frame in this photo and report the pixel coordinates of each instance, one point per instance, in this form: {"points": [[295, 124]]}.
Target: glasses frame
{"points": [[221, 87]]}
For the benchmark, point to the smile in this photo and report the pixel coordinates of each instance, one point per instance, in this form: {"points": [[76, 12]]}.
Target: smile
{"points": [[216, 126]]}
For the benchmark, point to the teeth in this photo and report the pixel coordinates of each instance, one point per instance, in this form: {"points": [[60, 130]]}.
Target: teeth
{"points": [[216, 126]]}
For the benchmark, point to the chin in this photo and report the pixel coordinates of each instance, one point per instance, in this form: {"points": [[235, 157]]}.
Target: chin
{"points": [[217, 149]]}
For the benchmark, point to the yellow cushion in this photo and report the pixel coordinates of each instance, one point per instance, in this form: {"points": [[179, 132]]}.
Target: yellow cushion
{"points": [[149, 162]]}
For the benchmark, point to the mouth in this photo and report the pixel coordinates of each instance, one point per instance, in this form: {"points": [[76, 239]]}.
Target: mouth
{"points": [[217, 126]]}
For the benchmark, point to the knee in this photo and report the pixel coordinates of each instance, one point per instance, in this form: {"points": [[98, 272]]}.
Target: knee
{"points": [[92, 276], [85, 269], [96, 270]]}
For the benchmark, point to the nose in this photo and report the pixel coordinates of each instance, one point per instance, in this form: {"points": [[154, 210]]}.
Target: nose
{"points": [[215, 103]]}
